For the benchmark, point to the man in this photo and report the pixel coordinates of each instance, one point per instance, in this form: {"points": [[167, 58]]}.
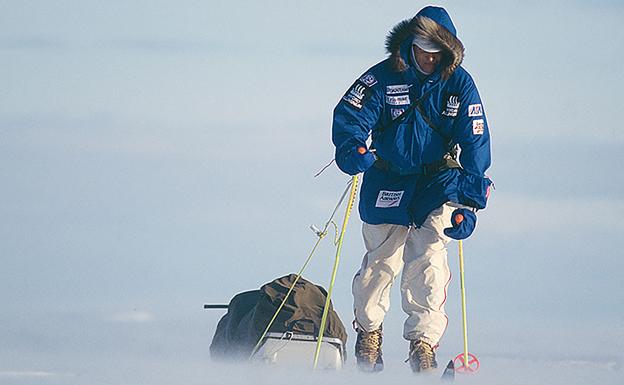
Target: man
{"points": [[421, 108]]}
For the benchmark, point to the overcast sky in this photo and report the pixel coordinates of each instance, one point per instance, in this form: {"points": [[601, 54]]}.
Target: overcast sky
{"points": [[157, 155]]}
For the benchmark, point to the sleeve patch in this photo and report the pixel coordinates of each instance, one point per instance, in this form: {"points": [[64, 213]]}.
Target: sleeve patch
{"points": [[358, 94], [477, 127], [475, 110]]}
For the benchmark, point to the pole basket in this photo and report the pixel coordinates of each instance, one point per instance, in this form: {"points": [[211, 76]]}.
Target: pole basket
{"points": [[470, 367]]}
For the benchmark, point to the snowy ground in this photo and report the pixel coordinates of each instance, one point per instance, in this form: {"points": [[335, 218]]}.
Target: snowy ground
{"points": [[140, 350], [495, 370]]}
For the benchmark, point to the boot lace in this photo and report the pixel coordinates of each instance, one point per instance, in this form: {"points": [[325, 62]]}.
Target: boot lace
{"points": [[369, 345], [421, 356]]}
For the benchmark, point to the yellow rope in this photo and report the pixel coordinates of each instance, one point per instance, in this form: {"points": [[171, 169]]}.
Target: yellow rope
{"points": [[266, 330], [354, 185], [321, 235]]}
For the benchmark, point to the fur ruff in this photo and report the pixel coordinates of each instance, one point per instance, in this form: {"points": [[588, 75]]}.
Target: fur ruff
{"points": [[452, 47]]}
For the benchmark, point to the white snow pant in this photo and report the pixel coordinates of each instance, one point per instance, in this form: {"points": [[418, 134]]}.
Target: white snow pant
{"points": [[422, 255]]}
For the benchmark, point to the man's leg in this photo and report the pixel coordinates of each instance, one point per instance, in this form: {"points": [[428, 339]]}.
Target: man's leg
{"points": [[371, 289], [380, 266], [425, 278]]}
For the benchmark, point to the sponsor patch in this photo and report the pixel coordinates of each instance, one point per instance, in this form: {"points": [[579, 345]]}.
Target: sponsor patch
{"points": [[368, 79], [398, 100], [397, 89], [387, 199], [452, 106], [475, 110], [477, 127], [396, 112], [358, 94]]}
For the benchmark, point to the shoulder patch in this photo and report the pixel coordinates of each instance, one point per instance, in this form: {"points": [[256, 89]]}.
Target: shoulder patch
{"points": [[368, 79], [452, 105], [475, 110], [358, 94]]}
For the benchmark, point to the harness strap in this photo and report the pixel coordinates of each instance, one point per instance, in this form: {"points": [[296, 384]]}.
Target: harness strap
{"points": [[444, 164], [448, 161]]}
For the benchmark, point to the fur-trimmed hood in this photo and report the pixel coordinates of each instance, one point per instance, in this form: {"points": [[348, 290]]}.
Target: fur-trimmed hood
{"points": [[432, 23]]}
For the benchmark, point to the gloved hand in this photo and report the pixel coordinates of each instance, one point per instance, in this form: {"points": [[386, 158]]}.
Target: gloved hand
{"points": [[464, 222], [353, 160]]}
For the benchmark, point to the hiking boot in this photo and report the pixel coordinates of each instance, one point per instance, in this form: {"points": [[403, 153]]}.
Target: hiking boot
{"points": [[421, 357], [368, 350]]}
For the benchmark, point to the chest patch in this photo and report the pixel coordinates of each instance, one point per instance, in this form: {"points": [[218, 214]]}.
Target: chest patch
{"points": [[401, 100], [452, 106], [387, 199], [398, 89], [396, 112]]}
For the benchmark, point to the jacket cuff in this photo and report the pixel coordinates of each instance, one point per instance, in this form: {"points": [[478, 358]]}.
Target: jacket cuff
{"points": [[474, 190]]}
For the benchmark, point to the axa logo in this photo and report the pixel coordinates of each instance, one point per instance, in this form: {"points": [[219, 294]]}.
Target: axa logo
{"points": [[475, 110]]}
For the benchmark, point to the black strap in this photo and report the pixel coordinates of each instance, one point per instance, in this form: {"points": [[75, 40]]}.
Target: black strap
{"points": [[443, 164], [427, 169], [450, 158], [451, 150], [415, 104]]}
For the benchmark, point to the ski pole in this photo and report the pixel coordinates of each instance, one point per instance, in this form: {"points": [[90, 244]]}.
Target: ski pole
{"points": [[354, 186], [463, 300], [463, 358]]}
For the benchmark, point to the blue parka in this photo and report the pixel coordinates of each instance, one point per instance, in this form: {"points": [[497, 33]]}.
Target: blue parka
{"points": [[399, 186]]}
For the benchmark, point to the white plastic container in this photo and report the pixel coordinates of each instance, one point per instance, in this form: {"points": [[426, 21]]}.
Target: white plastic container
{"points": [[290, 349]]}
